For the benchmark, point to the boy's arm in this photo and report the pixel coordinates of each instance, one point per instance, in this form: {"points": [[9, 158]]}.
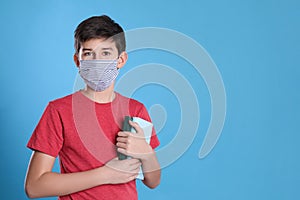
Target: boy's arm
{"points": [[42, 182], [135, 145], [151, 169]]}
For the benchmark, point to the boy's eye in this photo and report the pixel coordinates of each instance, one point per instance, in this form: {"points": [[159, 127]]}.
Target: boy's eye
{"points": [[88, 54], [106, 53]]}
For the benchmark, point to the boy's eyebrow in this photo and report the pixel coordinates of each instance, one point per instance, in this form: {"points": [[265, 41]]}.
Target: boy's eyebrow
{"points": [[87, 49], [107, 48], [104, 48]]}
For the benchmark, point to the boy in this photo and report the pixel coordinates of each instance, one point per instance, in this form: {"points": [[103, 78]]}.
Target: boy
{"points": [[83, 128]]}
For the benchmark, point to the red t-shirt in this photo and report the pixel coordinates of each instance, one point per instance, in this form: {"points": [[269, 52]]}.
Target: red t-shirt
{"points": [[83, 134]]}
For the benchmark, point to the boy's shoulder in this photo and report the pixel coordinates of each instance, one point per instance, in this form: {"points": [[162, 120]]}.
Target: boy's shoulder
{"points": [[61, 102], [125, 98], [132, 102], [125, 104], [63, 99]]}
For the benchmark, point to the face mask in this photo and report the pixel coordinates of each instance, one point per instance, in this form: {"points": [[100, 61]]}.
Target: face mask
{"points": [[98, 74]]}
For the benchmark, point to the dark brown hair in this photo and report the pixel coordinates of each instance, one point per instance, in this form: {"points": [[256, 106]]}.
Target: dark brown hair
{"points": [[97, 27]]}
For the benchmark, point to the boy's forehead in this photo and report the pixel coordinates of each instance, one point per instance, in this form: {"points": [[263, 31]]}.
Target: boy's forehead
{"points": [[99, 43]]}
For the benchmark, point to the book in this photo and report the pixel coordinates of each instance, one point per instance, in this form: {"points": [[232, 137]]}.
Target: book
{"points": [[147, 129]]}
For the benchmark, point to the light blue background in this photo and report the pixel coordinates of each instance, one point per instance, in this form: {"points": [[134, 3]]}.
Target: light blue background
{"points": [[255, 45]]}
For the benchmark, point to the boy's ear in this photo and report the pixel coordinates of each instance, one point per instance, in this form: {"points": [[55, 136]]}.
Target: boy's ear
{"points": [[76, 60], [122, 59]]}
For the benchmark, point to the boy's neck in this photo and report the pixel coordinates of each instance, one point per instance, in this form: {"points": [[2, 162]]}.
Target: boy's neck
{"points": [[105, 96]]}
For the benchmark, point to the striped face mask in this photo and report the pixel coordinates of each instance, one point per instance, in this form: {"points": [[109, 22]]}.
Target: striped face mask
{"points": [[98, 74]]}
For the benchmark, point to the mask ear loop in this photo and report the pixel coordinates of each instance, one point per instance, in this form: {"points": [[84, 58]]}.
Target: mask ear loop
{"points": [[117, 59]]}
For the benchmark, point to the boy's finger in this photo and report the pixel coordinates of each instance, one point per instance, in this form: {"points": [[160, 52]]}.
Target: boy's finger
{"points": [[136, 126], [121, 150], [122, 145], [122, 139], [123, 134]]}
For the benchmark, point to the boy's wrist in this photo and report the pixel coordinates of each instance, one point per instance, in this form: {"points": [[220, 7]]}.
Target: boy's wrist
{"points": [[150, 163], [101, 175], [148, 156]]}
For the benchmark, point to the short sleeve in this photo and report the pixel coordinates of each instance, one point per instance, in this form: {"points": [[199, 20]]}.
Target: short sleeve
{"points": [[154, 142], [47, 136]]}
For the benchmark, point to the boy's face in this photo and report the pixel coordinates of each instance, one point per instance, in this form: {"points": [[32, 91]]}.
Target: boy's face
{"points": [[98, 49]]}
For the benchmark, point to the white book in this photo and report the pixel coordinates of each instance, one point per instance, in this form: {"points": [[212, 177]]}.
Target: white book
{"points": [[147, 128]]}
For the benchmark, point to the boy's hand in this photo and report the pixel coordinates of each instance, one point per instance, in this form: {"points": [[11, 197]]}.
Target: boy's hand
{"points": [[134, 144], [121, 171]]}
